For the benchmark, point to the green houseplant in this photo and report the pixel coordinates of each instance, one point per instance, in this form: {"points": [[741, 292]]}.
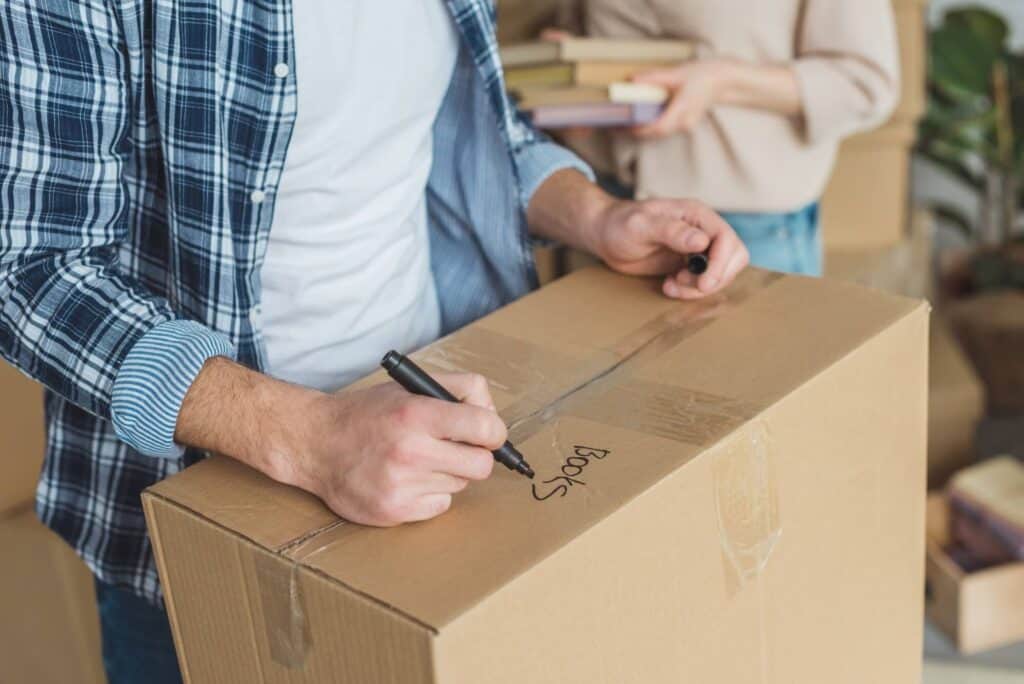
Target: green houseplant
{"points": [[974, 130]]}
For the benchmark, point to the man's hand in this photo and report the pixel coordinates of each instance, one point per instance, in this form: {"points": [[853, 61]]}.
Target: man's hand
{"points": [[649, 237], [652, 237], [379, 456]]}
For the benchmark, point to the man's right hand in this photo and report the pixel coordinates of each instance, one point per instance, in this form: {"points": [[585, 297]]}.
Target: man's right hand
{"points": [[379, 456]]}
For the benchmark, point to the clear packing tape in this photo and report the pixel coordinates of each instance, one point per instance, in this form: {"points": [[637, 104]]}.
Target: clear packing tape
{"points": [[547, 386]]}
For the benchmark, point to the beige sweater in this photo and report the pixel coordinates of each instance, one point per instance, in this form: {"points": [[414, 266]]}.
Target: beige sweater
{"points": [[846, 60]]}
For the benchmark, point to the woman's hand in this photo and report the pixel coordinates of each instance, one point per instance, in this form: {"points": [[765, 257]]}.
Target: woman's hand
{"points": [[698, 86], [694, 87]]}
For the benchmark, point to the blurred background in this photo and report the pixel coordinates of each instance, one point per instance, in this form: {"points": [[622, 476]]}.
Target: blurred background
{"points": [[927, 204]]}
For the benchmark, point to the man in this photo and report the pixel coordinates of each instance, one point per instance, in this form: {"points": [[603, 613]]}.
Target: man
{"points": [[195, 197]]}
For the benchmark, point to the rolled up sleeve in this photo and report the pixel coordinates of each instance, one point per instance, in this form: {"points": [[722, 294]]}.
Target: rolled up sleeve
{"points": [[535, 162], [151, 384], [847, 66]]}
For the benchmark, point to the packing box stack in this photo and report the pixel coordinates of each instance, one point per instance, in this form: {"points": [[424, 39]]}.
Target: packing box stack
{"points": [[586, 81], [21, 427], [975, 556], [866, 203], [706, 508], [956, 400], [956, 404], [49, 629]]}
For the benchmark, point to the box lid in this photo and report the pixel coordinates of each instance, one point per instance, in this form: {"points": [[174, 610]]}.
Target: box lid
{"points": [[607, 387]]}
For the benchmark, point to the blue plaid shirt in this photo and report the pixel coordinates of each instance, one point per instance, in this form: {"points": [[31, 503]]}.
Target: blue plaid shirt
{"points": [[141, 144]]}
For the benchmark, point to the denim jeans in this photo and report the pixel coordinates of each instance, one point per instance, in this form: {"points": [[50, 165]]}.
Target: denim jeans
{"points": [[789, 242], [137, 643]]}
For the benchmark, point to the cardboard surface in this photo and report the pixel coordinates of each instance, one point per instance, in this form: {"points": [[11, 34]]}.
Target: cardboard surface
{"points": [[912, 32], [23, 435], [704, 510], [979, 611], [990, 326], [49, 629], [865, 204], [904, 268], [956, 402]]}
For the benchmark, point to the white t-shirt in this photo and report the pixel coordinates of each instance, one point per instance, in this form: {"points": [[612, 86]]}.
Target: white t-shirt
{"points": [[347, 271]]}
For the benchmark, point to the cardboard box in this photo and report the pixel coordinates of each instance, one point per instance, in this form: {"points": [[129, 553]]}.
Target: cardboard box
{"points": [[728, 491], [956, 402], [548, 261], [865, 204], [912, 32], [990, 325], [522, 20], [24, 437], [904, 268], [980, 610], [49, 628]]}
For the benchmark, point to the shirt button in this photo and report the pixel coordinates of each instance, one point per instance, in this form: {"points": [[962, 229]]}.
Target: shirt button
{"points": [[257, 196], [281, 70]]}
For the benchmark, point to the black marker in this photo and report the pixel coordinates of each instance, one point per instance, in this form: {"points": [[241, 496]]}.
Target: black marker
{"points": [[697, 263], [415, 379]]}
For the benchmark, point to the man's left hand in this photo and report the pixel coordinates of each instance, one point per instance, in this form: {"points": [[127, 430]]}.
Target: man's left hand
{"points": [[646, 237], [654, 237]]}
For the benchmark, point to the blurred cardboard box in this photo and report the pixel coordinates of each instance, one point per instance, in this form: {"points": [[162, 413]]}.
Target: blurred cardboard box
{"points": [[980, 610], [521, 20], [49, 628], [866, 202], [956, 402], [912, 32], [24, 436], [955, 394], [705, 508], [990, 325], [904, 268]]}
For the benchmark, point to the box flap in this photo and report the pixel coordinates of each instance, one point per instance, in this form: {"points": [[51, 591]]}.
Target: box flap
{"points": [[607, 387]]}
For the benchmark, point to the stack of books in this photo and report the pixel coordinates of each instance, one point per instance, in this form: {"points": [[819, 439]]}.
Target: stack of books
{"points": [[986, 504], [587, 81]]}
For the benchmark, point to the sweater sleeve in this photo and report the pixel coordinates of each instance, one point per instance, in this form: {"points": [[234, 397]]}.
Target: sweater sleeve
{"points": [[847, 66]]}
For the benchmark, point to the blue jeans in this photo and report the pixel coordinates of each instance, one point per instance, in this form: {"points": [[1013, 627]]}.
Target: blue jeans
{"points": [[137, 643], [788, 242]]}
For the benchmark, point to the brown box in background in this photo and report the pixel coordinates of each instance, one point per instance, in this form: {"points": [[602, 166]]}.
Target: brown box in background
{"points": [[912, 31], [980, 610], [990, 326], [955, 393], [23, 436], [729, 490], [904, 268], [49, 629], [956, 402], [865, 204]]}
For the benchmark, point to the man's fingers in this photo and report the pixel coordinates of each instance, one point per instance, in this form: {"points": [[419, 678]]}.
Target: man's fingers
{"points": [[680, 236], [464, 423], [427, 507], [458, 460], [737, 263], [442, 483], [469, 388]]}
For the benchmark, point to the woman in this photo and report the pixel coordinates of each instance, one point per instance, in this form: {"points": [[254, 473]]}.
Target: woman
{"points": [[754, 121]]}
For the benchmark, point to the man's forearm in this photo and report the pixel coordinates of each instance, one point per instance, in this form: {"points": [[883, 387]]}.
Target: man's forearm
{"points": [[566, 207], [238, 412]]}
